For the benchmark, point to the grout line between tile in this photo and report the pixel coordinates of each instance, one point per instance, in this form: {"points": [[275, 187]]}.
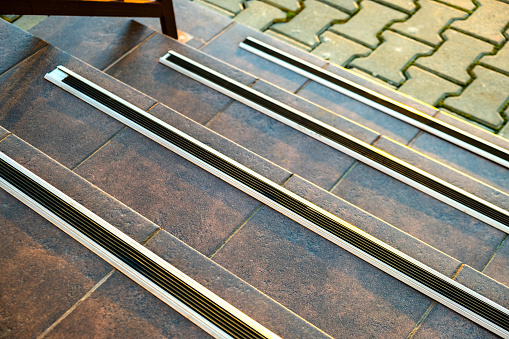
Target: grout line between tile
{"points": [[343, 176], [302, 86], [127, 53], [495, 252], [217, 35], [8, 135], [98, 149], [28, 57], [73, 307], [151, 236], [413, 139], [154, 105]]}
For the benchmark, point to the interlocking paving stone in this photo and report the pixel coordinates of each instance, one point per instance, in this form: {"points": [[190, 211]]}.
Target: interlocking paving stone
{"points": [[407, 6], [429, 220], [234, 6], [53, 120], [337, 49], [426, 86], [366, 24], [372, 78], [497, 268], [350, 298], [287, 40], [499, 61], [95, 40], [484, 98], [259, 15], [391, 57], [308, 24], [281, 144], [142, 70], [16, 45], [463, 160], [385, 232], [454, 56], [348, 6], [290, 5], [487, 21], [226, 48], [468, 5], [428, 21]]}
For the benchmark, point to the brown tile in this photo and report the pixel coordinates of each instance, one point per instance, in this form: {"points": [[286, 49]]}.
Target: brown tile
{"points": [[329, 287], [429, 220], [98, 41], [378, 228], [221, 144], [226, 48], [142, 70], [120, 308], [188, 202], [484, 285], [56, 122], [345, 125], [16, 45], [3, 133], [281, 144]]}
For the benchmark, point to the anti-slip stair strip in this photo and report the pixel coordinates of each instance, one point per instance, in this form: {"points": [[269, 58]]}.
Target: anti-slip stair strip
{"points": [[358, 149], [406, 269], [376, 100], [191, 299]]}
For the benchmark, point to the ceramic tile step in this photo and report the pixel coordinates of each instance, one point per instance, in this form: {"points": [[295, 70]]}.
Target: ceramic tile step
{"points": [[79, 289]]}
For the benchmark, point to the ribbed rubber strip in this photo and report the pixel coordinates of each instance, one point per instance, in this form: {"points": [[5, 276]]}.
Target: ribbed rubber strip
{"points": [[380, 99], [476, 307], [359, 147], [131, 256]]}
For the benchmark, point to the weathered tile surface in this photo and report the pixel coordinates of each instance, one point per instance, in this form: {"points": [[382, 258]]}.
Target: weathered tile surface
{"points": [[281, 144], [56, 122], [499, 61], [308, 24], [338, 50], [16, 45], [454, 56], [484, 99], [234, 6], [428, 21], [95, 40], [181, 198], [487, 21], [3, 133], [366, 24], [426, 86], [259, 15], [350, 298], [226, 48], [348, 6], [429, 220], [497, 268], [407, 6], [484, 285], [389, 59]]}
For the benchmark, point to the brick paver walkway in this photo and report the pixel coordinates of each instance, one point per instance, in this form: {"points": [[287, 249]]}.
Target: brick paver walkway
{"points": [[452, 54]]}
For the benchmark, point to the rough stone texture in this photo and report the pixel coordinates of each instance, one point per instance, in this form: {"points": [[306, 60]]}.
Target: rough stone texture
{"points": [[351, 298], [98, 41], [16, 45], [468, 5], [388, 60], [487, 21], [463, 160], [234, 6], [288, 5], [193, 205], [497, 268], [426, 86], [484, 98], [281, 144], [339, 50], [454, 56], [348, 6], [226, 48], [407, 6], [499, 61], [53, 120], [429, 220], [366, 24], [374, 226], [26, 22], [484, 285], [428, 21], [308, 24], [259, 15]]}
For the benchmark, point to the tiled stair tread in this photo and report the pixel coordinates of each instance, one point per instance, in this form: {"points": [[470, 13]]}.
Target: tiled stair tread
{"points": [[3, 133], [72, 129], [16, 45]]}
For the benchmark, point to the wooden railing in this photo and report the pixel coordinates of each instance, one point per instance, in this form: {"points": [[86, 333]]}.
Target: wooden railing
{"points": [[162, 9]]}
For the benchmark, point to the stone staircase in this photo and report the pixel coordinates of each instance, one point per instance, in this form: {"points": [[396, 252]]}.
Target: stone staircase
{"points": [[284, 276]]}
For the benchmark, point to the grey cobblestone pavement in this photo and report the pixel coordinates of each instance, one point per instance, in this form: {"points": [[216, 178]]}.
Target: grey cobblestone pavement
{"points": [[452, 54]]}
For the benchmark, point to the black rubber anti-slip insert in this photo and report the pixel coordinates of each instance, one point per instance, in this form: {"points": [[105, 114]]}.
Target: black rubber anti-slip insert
{"points": [[369, 153], [276, 194], [370, 96], [129, 255]]}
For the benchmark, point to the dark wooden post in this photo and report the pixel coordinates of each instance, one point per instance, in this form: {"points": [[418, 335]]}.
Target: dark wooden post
{"points": [[168, 24]]}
